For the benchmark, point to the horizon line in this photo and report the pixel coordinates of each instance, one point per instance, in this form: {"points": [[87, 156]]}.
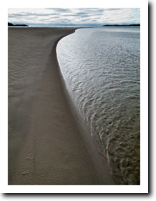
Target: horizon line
{"points": [[88, 24]]}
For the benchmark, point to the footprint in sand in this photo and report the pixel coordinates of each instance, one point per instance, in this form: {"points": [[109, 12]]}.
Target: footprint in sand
{"points": [[30, 159]]}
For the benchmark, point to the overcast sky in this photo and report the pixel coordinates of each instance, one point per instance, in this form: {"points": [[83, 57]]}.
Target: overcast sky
{"points": [[76, 16]]}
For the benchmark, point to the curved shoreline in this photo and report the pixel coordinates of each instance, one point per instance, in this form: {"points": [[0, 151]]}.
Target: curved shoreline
{"points": [[93, 144], [46, 146], [96, 149]]}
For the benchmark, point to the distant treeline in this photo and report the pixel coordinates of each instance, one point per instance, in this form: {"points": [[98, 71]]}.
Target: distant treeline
{"points": [[121, 25], [10, 24]]}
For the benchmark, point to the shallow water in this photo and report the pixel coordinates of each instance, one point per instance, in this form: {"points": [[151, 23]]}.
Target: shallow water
{"points": [[101, 68]]}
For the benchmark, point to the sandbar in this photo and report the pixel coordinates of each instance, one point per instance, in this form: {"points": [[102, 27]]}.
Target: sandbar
{"points": [[45, 143]]}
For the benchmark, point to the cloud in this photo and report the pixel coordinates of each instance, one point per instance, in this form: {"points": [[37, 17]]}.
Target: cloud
{"points": [[74, 15], [59, 9]]}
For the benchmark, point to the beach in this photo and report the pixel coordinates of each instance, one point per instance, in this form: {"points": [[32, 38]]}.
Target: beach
{"points": [[47, 143]]}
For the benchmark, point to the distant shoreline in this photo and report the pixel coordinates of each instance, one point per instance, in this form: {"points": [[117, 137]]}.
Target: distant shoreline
{"points": [[122, 25], [71, 25], [23, 25]]}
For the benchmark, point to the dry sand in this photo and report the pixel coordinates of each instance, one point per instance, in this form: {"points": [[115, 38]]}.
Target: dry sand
{"points": [[45, 144]]}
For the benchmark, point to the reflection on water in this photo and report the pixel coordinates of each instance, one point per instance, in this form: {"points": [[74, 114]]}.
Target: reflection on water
{"points": [[101, 67]]}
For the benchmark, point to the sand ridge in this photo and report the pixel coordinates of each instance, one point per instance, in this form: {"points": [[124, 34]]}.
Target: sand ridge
{"points": [[44, 141]]}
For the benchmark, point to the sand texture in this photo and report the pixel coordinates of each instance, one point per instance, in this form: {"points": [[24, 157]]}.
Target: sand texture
{"points": [[45, 144]]}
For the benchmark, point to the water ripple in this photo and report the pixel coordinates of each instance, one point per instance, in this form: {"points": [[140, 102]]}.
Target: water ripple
{"points": [[101, 68]]}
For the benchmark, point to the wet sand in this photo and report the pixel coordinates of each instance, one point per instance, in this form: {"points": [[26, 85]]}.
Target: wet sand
{"points": [[46, 145]]}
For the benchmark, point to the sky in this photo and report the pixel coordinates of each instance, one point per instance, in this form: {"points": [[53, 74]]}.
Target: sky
{"points": [[73, 16]]}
